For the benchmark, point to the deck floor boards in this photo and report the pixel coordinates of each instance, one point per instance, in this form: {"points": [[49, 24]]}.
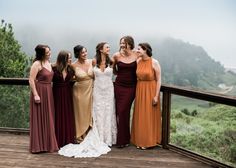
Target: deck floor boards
{"points": [[14, 153]]}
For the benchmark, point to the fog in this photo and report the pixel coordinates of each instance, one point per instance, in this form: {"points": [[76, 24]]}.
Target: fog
{"points": [[210, 24]]}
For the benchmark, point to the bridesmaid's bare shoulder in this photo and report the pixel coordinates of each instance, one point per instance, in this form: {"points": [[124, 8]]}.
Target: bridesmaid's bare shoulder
{"points": [[138, 59], [74, 64], [155, 64], [116, 56]]}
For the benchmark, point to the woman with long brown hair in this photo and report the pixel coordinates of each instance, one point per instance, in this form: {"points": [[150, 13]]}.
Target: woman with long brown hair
{"points": [[42, 132], [62, 92], [103, 131], [103, 95], [125, 85]]}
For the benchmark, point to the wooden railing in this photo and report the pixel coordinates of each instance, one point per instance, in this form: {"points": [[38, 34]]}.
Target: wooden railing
{"points": [[167, 91]]}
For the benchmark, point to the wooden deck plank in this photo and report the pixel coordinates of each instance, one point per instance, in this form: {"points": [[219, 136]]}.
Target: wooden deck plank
{"points": [[14, 153]]}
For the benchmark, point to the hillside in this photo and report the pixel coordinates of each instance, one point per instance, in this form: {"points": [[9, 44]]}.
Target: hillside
{"points": [[182, 63], [185, 64], [188, 65]]}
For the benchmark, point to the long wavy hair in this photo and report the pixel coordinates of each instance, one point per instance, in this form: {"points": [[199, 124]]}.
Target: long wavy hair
{"points": [[62, 61], [40, 51], [128, 41], [98, 55]]}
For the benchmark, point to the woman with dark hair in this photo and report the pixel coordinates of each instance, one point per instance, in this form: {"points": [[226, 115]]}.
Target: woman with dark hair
{"points": [[82, 92], [103, 95], [125, 85], [103, 132], [42, 132], [146, 125], [62, 92]]}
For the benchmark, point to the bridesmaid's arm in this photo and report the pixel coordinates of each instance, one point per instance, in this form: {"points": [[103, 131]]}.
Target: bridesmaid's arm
{"points": [[71, 73], [33, 73], [157, 70], [136, 54], [94, 62], [114, 60]]}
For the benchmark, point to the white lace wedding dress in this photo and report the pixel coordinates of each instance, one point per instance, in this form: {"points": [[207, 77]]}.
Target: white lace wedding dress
{"points": [[104, 131]]}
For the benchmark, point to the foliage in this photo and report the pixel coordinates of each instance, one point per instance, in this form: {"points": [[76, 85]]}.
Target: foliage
{"points": [[211, 133], [13, 62], [14, 103], [187, 112], [184, 64], [14, 100]]}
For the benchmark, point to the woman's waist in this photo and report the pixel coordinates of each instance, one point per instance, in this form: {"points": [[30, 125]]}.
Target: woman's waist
{"points": [[125, 83], [61, 84], [126, 78], [84, 82], [103, 84], [146, 80], [43, 82]]}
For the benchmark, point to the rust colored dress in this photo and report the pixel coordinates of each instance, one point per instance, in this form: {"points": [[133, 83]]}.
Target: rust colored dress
{"points": [[146, 125], [42, 131]]}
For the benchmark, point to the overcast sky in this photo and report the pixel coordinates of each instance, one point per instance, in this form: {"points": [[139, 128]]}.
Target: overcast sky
{"points": [[207, 23]]}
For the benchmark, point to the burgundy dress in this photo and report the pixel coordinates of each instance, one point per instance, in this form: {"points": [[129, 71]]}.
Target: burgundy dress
{"points": [[42, 132], [64, 114], [125, 86]]}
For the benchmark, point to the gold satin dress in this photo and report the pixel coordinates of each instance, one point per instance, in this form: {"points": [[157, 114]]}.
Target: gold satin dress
{"points": [[82, 101]]}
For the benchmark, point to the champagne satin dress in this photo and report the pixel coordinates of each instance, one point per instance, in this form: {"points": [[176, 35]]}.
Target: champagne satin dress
{"points": [[82, 101]]}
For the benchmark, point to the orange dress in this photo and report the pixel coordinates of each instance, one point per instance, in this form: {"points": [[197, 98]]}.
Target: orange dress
{"points": [[146, 125]]}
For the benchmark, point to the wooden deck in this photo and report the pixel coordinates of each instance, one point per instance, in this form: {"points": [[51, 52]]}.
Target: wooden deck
{"points": [[14, 153]]}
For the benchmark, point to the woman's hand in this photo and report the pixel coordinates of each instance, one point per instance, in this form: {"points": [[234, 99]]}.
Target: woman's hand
{"points": [[36, 99], [154, 101]]}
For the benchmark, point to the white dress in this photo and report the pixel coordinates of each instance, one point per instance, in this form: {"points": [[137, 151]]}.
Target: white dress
{"points": [[104, 116], [104, 130]]}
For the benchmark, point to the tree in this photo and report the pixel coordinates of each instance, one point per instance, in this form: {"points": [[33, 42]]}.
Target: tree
{"points": [[14, 100], [13, 62]]}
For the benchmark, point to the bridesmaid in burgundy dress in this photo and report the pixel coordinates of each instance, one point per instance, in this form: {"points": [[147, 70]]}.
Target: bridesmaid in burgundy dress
{"points": [[125, 85], [42, 132], [62, 92]]}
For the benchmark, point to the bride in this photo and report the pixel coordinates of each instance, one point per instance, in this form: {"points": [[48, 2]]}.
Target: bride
{"points": [[103, 133]]}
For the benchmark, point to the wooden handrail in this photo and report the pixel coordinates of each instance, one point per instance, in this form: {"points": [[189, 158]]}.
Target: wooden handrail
{"points": [[14, 81], [168, 91], [199, 94], [182, 91]]}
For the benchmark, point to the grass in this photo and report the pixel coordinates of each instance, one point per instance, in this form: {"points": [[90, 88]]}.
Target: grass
{"points": [[211, 133]]}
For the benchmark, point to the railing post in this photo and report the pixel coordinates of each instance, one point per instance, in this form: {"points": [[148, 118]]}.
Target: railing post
{"points": [[166, 108]]}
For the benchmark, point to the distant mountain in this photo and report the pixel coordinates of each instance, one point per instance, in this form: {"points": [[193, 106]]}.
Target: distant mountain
{"points": [[182, 63], [231, 69], [185, 64]]}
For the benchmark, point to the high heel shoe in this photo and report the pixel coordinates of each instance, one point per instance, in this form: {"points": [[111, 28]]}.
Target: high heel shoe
{"points": [[122, 146]]}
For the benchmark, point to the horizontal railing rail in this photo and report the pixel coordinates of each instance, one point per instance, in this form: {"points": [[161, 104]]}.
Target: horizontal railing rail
{"points": [[168, 91], [182, 91], [199, 94]]}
